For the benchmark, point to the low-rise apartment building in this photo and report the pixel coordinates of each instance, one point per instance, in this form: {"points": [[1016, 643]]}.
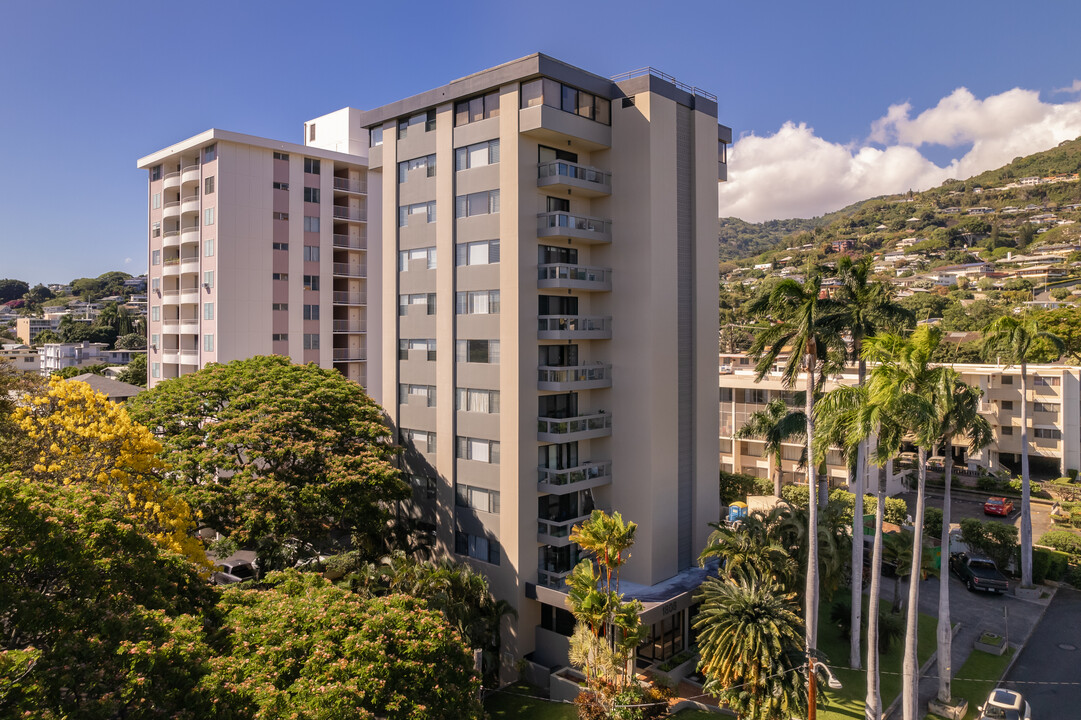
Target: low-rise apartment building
{"points": [[58, 356], [1054, 398]]}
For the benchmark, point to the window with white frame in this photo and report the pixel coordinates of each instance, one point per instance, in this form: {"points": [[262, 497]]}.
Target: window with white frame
{"points": [[155, 313], [415, 300], [477, 498], [476, 155], [208, 279], [420, 440], [485, 202], [425, 394], [208, 343], [155, 201], [482, 252], [155, 370], [1047, 433], [417, 212], [311, 341], [477, 351], [311, 223], [208, 248], [208, 311], [477, 547], [407, 344], [405, 166], [208, 216], [375, 136], [427, 254], [476, 400], [477, 302], [155, 257], [311, 253]]}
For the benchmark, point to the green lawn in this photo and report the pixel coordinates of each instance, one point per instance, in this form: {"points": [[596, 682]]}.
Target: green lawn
{"points": [[847, 703], [521, 701], [979, 665]]}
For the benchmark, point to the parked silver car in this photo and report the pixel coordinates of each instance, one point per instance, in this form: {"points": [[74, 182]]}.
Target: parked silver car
{"points": [[1003, 704]]}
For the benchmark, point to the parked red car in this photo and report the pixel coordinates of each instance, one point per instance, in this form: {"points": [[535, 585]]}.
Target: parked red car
{"points": [[998, 506]]}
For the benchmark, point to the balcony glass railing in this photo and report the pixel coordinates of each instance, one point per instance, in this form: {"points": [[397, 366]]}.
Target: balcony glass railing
{"points": [[573, 323], [349, 326], [562, 168], [579, 424], [350, 242], [347, 185], [350, 354], [347, 270], [575, 374], [562, 220], [571, 476], [347, 213], [580, 273], [350, 298]]}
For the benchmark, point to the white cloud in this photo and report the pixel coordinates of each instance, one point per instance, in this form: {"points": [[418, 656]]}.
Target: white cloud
{"points": [[795, 173], [1075, 88], [127, 261]]}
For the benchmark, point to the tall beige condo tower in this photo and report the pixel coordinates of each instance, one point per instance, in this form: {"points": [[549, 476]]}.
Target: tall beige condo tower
{"points": [[257, 247], [545, 242]]}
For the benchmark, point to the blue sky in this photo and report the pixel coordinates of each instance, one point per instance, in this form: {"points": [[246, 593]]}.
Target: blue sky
{"points": [[87, 88]]}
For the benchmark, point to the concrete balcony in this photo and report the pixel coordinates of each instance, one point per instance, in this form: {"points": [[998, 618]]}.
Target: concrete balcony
{"points": [[557, 532], [350, 355], [190, 295], [576, 377], [346, 185], [350, 242], [585, 476], [189, 327], [170, 357], [189, 357], [350, 298], [565, 226], [350, 326], [552, 126], [189, 264], [582, 427], [342, 212], [170, 268], [170, 238], [350, 270], [170, 181], [574, 179], [190, 174], [170, 297], [189, 204], [170, 327], [573, 327], [552, 578], [574, 277], [170, 210], [189, 234]]}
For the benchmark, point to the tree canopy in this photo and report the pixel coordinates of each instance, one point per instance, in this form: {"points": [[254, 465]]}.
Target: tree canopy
{"points": [[276, 456]]}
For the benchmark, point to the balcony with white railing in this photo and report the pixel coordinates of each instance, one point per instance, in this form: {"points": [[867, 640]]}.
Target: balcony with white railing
{"points": [[189, 326], [350, 354], [354, 270], [189, 204], [580, 180], [350, 242], [565, 226], [350, 186], [341, 212], [190, 295], [583, 477], [573, 327], [170, 267], [189, 357], [574, 277], [350, 326], [189, 264], [350, 298], [170, 210], [170, 357], [170, 238], [190, 174], [557, 532], [170, 181], [171, 327], [574, 377], [189, 234], [581, 427]]}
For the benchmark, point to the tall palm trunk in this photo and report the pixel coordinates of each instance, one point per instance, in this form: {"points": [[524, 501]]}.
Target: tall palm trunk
{"points": [[777, 474], [910, 690], [811, 592], [873, 702], [945, 631], [1026, 508], [854, 655]]}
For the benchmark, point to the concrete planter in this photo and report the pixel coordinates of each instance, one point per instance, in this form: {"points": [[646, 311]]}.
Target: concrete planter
{"points": [[678, 672], [564, 684], [991, 643], [954, 711]]}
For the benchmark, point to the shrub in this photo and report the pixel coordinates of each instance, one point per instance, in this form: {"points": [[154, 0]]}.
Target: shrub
{"points": [[1073, 576], [737, 486], [993, 539], [1041, 562], [796, 495], [988, 483], [932, 522], [1062, 540], [1062, 481], [890, 625]]}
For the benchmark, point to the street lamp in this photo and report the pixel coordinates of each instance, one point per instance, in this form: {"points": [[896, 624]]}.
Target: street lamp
{"points": [[813, 668]]}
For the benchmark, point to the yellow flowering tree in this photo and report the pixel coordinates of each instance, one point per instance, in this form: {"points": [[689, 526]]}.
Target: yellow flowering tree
{"points": [[72, 434]]}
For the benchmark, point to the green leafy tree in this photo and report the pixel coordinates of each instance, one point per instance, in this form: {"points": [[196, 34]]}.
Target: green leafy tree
{"points": [[748, 556], [776, 424], [276, 455], [131, 341], [12, 289], [96, 620], [297, 645], [134, 373], [47, 336], [808, 324], [70, 372], [1015, 340], [750, 641]]}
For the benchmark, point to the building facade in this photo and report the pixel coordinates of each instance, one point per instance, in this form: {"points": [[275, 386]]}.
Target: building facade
{"points": [[547, 274], [255, 247], [1054, 406]]}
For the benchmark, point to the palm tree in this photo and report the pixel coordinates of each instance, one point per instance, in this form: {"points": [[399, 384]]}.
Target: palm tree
{"points": [[1015, 340], [873, 700], [804, 322], [903, 386], [744, 556], [959, 415], [749, 638], [776, 425], [866, 308]]}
